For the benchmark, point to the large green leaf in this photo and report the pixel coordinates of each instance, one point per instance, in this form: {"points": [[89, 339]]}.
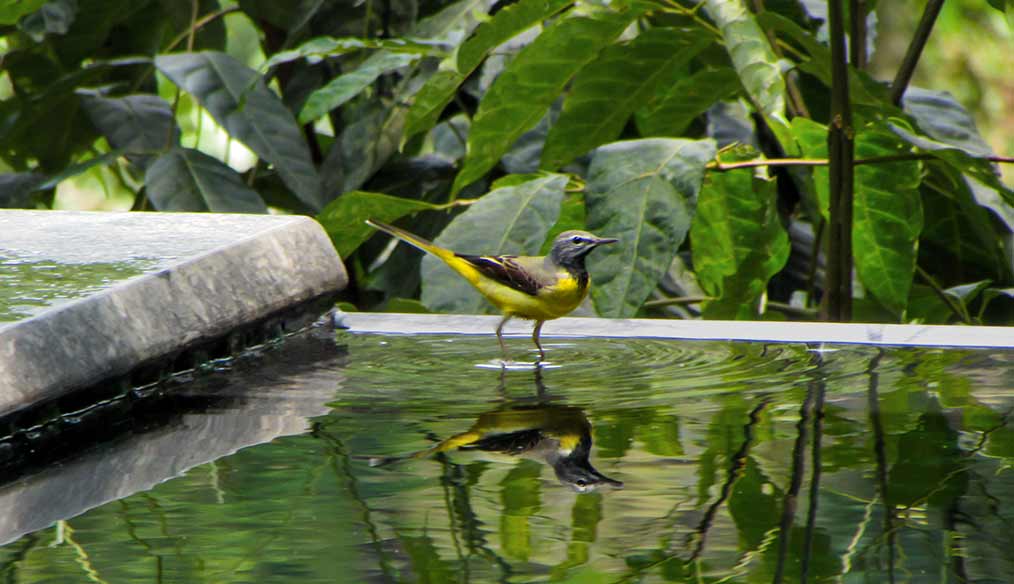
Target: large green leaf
{"points": [[953, 138], [958, 239], [752, 55], [440, 90], [137, 124], [674, 109], [344, 218], [522, 94], [738, 241], [608, 90], [238, 100], [512, 219], [888, 215], [345, 87], [640, 191], [189, 180]]}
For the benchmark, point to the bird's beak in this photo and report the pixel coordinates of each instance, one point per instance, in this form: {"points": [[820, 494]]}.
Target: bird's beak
{"points": [[603, 240]]}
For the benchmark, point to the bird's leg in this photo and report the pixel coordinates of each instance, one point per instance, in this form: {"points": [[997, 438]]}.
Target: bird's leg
{"points": [[535, 339], [499, 337]]}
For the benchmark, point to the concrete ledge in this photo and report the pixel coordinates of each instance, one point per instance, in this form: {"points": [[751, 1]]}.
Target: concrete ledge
{"points": [[212, 274], [783, 332]]}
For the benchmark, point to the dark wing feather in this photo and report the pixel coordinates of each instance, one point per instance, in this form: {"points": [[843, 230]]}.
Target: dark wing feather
{"points": [[511, 443], [506, 271]]}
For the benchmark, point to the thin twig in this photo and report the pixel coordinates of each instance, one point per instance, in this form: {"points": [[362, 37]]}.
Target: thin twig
{"points": [[841, 156]]}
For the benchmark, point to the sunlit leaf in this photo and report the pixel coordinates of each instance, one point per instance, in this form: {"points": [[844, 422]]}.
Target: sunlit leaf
{"points": [[319, 48], [608, 90], [752, 56], [738, 240], [513, 219], [238, 100], [344, 218], [188, 180], [640, 191], [522, 94]]}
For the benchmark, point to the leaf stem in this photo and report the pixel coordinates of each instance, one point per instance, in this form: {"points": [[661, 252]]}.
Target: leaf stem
{"points": [[942, 294], [199, 24]]}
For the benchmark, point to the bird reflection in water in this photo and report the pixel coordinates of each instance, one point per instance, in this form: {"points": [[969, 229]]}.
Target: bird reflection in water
{"points": [[559, 435]]}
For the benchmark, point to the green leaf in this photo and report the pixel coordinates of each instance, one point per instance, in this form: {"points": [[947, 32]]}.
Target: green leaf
{"points": [[673, 110], [239, 101], [640, 191], [888, 216], [319, 48], [608, 90], [951, 136], [137, 124], [738, 241], [188, 180], [752, 56], [12, 10], [522, 94], [959, 238], [514, 219], [440, 89], [344, 218], [345, 87]]}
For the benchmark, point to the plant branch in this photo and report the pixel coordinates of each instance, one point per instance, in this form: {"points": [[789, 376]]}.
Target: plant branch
{"points": [[857, 33], [720, 166], [841, 154], [911, 59]]}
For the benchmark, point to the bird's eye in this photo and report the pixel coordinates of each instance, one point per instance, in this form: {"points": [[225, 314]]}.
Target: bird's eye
{"points": [[577, 239], [581, 483]]}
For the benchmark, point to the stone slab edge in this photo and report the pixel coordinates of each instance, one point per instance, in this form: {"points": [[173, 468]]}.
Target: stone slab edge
{"points": [[106, 335], [783, 332]]}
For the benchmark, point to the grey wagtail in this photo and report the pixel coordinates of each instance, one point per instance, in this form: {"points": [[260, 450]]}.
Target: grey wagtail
{"points": [[559, 435], [538, 288]]}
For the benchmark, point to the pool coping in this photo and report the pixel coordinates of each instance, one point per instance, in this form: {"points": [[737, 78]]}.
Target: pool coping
{"points": [[264, 268], [706, 330]]}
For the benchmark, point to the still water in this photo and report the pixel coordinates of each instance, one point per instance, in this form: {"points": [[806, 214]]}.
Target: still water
{"points": [[621, 461]]}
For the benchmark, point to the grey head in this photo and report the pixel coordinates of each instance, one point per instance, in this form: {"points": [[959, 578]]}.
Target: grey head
{"points": [[571, 247], [577, 473]]}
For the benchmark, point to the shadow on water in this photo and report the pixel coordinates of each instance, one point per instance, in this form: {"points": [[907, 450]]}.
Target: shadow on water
{"points": [[738, 463]]}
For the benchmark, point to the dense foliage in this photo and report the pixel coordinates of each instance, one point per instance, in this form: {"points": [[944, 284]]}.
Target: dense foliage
{"points": [[493, 126]]}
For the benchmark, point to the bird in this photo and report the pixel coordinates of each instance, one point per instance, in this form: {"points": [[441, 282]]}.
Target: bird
{"points": [[538, 288], [559, 435]]}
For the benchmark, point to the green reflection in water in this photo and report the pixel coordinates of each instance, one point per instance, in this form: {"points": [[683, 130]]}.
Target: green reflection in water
{"points": [[740, 463], [27, 287]]}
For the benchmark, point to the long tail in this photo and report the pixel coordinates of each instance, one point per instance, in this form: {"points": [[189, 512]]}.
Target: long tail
{"points": [[412, 239]]}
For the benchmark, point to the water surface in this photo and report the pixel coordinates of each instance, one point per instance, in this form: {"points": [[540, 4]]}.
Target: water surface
{"points": [[738, 463]]}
